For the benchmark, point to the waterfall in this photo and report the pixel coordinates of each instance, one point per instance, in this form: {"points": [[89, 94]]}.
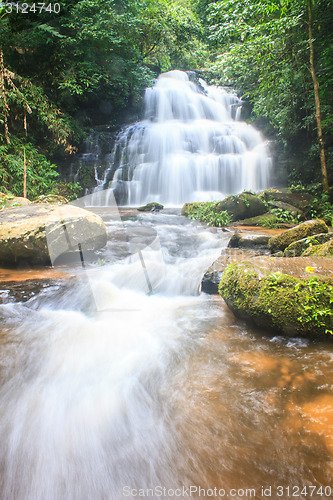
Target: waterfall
{"points": [[191, 146]]}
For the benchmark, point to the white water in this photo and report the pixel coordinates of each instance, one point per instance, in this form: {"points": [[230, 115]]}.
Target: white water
{"points": [[82, 412], [191, 146], [152, 390]]}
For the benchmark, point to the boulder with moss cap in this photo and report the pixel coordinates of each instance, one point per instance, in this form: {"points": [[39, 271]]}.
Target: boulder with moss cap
{"points": [[279, 302], [242, 206]]}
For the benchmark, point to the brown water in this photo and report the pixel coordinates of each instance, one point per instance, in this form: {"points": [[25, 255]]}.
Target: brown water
{"points": [[157, 395]]}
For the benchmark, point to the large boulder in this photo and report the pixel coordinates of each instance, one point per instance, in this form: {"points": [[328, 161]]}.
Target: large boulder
{"points": [[188, 208], [281, 241], [38, 234], [242, 206], [297, 248], [279, 302]]}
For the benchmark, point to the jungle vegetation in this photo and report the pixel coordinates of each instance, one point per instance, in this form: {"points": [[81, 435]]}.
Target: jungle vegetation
{"points": [[63, 73]]}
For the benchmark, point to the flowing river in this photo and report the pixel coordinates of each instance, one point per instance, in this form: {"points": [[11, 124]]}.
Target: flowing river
{"points": [[124, 380]]}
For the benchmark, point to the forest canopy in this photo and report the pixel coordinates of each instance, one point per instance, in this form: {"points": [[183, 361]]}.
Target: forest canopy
{"points": [[64, 72]]}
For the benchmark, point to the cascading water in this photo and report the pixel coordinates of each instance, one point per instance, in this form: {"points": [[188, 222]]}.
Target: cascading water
{"points": [[191, 146], [151, 395]]}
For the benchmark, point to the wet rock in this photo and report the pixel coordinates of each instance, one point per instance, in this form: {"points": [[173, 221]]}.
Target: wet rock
{"points": [[242, 206], [297, 248], [210, 282], [323, 250], [281, 241], [151, 207], [278, 302], [13, 291], [258, 242], [32, 233]]}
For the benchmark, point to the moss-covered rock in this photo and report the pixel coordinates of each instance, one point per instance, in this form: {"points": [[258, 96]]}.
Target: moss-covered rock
{"points": [[187, 209], [323, 250], [279, 302], [308, 228], [242, 206], [151, 207], [298, 247]]}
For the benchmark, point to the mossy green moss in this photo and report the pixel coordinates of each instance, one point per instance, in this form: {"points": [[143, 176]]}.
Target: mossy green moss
{"points": [[279, 302], [308, 228], [324, 250], [298, 247], [151, 207]]}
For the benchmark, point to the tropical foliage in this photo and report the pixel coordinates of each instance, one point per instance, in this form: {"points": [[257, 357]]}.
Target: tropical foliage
{"points": [[63, 73], [264, 49], [88, 64]]}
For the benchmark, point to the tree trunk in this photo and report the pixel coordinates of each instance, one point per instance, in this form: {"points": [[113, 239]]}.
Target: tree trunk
{"points": [[24, 175], [317, 102], [3, 95]]}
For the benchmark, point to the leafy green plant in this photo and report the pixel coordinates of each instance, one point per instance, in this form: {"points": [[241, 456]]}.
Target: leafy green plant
{"points": [[275, 280], [321, 208], [285, 216], [318, 304], [206, 212], [269, 222]]}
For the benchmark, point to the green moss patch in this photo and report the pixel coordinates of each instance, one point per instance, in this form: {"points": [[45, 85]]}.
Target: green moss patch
{"points": [[323, 250], [151, 207], [297, 248], [279, 302]]}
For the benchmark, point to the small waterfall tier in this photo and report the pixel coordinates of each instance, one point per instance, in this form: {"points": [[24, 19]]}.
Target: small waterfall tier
{"points": [[191, 146]]}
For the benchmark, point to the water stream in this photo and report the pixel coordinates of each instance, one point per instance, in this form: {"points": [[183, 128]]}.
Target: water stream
{"points": [[109, 388], [191, 146]]}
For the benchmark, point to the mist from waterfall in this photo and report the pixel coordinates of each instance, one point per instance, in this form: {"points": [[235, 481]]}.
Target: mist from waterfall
{"points": [[191, 146]]}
